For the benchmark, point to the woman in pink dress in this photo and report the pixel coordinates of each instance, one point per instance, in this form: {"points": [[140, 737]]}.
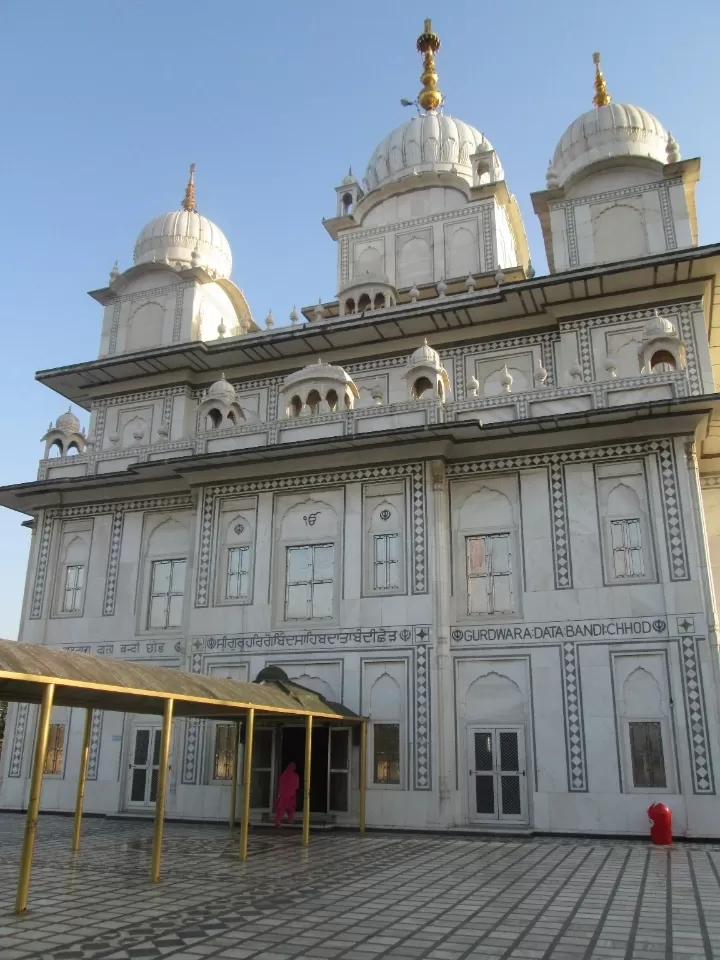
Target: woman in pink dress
{"points": [[287, 791]]}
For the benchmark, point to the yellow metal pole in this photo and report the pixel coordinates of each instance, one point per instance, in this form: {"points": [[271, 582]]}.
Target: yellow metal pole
{"points": [[363, 773], [247, 783], [41, 740], [82, 776], [161, 789], [233, 787], [306, 792]]}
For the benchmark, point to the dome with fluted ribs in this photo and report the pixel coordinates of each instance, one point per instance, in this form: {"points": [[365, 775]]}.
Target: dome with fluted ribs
{"points": [[433, 141], [614, 130], [185, 238]]}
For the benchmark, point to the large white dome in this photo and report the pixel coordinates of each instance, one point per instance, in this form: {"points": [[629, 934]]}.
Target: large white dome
{"points": [[175, 236], [433, 141], [613, 130]]}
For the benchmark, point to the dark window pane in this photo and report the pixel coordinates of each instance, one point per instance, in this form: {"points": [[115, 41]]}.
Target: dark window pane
{"points": [[646, 751], [224, 744], [260, 789], [338, 791], [510, 795], [483, 751], [339, 749], [484, 794], [386, 760], [153, 785], [156, 746], [142, 742], [139, 777], [509, 751], [262, 749]]}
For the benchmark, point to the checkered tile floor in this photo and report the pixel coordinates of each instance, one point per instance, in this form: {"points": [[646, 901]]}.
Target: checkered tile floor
{"points": [[355, 897]]}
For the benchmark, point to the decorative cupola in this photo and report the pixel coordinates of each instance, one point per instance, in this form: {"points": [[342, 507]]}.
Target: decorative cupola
{"points": [[661, 350], [66, 437], [349, 193], [317, 389], [219, 407], [368, 291], [426, 377], [616, 187]]}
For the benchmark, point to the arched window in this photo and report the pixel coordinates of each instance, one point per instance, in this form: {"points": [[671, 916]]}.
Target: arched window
{"points": [[379, 302], [421, 386], [346, 204], [348, 401], [364, 302], [313, 401], [56, 449], [349, 305], [662, 362], [72, 450], [332, 400], [214, 419], [231, 417], [440, 389], [295, 406]]}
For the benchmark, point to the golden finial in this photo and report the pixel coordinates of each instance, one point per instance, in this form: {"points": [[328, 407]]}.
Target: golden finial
{"points": [[428, 44], [602, 98], [189, 199]]}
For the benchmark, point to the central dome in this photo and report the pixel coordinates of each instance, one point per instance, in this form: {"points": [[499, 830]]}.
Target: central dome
{"points": [[433, 141]]}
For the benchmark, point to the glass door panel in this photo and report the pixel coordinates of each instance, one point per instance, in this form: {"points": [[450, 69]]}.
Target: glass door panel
{"points": [[482, 792], [339, 770], [497, 781], [144, 765]]}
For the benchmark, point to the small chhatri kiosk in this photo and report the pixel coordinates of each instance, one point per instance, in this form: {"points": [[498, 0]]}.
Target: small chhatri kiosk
{"points": [[49, 677]]}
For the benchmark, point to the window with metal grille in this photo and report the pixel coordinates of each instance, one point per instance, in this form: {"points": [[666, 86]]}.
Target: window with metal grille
{"points": [[224, 750], [309, 582], [386, 753], [167, 584], [489, 574], [238, 574], [646, 754], [386, 561], [627, 548], [55, 749], [73, 590]]}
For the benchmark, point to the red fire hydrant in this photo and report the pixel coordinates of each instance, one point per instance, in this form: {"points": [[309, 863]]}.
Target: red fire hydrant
{"points": [[660, 824]]}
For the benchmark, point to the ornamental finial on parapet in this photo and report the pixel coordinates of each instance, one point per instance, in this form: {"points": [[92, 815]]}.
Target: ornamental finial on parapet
{"points": [[602, 98], [428, 43], [188, 203]]}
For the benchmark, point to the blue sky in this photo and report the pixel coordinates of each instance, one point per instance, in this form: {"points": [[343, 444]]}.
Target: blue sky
{"points": [[105, 105]]}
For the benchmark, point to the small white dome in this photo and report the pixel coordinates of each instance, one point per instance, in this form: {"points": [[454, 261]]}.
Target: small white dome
{"points": [[433, 141], [222, 390], [68, 423], [175, 236], [424, 356], [320, 371], [658, 326], [614, 130]]}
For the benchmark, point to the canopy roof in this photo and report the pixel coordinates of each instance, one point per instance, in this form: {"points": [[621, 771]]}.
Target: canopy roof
{"points": [[85, 680]]}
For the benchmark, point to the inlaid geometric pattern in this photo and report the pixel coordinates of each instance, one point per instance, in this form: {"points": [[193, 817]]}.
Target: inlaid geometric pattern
{"points": [[177, 319], [673, 515], [351, 896], [113, 564], [667, 218], [662, 449], [212, 496], [559, 528], [574, 725], [43, 559], [95, 737], [700, 758], [114, 326], [422, 719], [18, 741]]}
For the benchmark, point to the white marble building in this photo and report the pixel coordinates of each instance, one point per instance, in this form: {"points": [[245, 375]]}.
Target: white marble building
{"points": [[479, 506]]}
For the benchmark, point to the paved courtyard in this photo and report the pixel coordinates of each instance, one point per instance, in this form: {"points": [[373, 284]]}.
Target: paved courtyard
{"points": [[351, 896]]}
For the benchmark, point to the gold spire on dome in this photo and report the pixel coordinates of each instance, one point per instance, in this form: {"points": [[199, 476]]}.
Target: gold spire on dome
{"points": [[428, 44], [188, 203], [602, 98]]}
